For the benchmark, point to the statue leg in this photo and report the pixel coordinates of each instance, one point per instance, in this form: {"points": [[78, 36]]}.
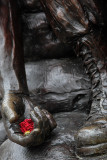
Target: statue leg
{"points": [[16, 105], [11, 54], [11, 48], [92, 138], [79, 23]]}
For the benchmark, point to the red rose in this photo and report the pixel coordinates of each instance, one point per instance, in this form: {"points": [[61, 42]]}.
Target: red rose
{"points": [[26, 126]]}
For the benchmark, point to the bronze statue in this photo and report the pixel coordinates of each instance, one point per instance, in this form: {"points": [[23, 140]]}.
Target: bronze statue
{"points": [[77, 23]]}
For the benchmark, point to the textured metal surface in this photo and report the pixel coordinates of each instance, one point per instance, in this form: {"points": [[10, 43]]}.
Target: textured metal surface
{"points": [[78, 25], [59, 146], [3, 135], [59, 85]]}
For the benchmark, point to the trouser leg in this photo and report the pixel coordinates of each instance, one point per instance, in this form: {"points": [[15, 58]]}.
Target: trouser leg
{"points": [[11, 47]]}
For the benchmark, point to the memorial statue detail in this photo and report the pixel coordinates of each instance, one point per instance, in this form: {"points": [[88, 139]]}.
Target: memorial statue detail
{"points": [[78, 23]]}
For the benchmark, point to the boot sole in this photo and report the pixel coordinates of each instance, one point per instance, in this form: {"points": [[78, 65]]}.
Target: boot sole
{"points": [[92, 150]]}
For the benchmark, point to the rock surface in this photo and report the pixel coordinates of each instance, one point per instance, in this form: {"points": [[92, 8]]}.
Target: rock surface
{"points": [[59, 85]]}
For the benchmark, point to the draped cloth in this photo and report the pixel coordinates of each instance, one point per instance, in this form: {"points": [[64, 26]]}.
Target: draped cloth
{"points": [[72, 18]]}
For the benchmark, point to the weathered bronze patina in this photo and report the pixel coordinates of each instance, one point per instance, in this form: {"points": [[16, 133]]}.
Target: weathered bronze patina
{"points": [[80, 26]]}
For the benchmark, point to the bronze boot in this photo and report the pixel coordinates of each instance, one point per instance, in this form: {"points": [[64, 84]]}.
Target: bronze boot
{"points": [[92, 137]]}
